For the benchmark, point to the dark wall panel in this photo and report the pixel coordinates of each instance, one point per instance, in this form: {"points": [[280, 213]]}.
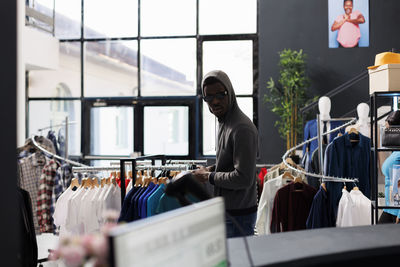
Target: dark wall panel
{"points": [[303, 24]]}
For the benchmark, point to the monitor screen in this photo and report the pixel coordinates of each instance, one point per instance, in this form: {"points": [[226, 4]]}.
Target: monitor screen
{"points": [[194, 235]]}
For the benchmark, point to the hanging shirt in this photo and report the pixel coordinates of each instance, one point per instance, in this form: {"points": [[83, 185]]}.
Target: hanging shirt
{"points": [[348, 159], [153, 200], [74, 204], [62, 180], [266, 204], [292, 205], [126, 204], [311, 130], [61, 209], [321, 212], [354, 209], [136, 204], [44, 196], [30, 170], [86, 210], [387, 167], [143, 209], [168, 203]]}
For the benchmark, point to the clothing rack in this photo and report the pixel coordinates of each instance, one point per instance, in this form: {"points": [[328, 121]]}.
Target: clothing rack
{"points": [[319, 120], [319, 137], [55, 155]]}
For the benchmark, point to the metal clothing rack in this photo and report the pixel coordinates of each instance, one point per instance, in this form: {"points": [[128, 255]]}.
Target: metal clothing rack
{"points": [[55, 155], [321, 176], [320, 134]]}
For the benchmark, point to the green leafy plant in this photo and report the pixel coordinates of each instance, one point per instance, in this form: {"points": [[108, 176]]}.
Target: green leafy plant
{"points": [[289, 95]]}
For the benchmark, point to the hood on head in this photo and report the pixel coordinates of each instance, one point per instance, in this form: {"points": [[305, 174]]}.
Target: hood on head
{"points": [[224, 79]]}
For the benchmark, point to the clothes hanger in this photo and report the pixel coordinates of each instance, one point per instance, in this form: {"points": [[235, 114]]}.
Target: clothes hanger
{"points": [[288, 175], [139, 179], [74, 182], [103, 181], [324, 186], [353, 131], [355, 186], [95, 182]]}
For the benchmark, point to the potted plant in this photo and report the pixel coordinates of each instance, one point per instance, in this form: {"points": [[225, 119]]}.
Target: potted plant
{"points": [[289, 95]]}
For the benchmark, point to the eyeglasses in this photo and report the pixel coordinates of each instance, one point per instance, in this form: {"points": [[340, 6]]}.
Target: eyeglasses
{"points": [[219, 96]]}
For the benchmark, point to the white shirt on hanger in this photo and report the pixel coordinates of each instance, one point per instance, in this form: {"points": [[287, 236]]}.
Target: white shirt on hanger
{"points": [[73, 209], [86, 207], [354, 209], [60, 210], [266, 204]]}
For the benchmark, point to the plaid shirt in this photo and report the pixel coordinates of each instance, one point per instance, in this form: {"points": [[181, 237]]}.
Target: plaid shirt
{"points": [[30, 170], [44, 196], [61, 183]]}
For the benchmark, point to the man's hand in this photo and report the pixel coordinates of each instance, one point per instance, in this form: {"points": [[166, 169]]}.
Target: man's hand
{"points": [[201, 174]]}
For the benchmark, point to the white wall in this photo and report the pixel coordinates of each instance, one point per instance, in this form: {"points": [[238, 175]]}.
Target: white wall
{"points": [[35, 50]]}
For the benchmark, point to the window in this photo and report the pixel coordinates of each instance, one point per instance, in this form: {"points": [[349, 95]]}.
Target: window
{"points": [[166, 130], [135, 68], [168, 67], [63, 82], [111, 131], [111, 69], [45, 116]]}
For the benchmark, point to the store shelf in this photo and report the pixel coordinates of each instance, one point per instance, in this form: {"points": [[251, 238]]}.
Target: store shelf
{"points": [[386, 94], [386, 149]]}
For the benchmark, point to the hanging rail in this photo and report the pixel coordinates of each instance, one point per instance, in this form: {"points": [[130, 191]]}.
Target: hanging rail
{"points": [[55, 155], [324, 177]]}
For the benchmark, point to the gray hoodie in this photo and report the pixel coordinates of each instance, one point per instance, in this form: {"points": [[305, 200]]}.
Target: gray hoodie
{"points": [[234, 176]]}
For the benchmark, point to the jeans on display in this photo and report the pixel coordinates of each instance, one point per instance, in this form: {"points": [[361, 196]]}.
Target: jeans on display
{"points": [[246, 222]]}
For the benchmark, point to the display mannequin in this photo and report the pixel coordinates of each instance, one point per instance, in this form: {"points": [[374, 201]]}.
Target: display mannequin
{"points": [[362, 125], [324, 106]]}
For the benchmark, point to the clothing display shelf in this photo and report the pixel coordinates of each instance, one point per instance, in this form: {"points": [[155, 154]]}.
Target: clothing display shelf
{"points": [[374, 118], [324, 178]]}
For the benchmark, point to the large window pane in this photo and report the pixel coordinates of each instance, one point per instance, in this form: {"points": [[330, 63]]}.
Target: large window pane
{"points": [[246, 105], [233, 57], [111, 68], [172, 17], [110, 18], [68, 19], [168, 67], [227, 16], [43, 114], [166, 130], [210, 127], [63, 82], [210, 124], [111, 131]]}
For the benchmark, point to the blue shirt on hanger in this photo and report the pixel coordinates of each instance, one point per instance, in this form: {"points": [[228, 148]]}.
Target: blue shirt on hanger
{"points": [[143, 203], [321, 212], [154, 198], [348, 160], [311, 130], [141, 198], [127, 204]]}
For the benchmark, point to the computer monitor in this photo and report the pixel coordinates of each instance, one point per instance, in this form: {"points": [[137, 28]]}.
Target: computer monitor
{"points": [[194, 235]]}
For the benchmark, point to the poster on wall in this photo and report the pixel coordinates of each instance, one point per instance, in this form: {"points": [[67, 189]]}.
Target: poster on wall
{"points": [[348, 23]]}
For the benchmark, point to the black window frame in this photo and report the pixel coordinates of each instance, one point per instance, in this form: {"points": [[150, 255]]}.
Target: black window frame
{"points": [[139, 102]]}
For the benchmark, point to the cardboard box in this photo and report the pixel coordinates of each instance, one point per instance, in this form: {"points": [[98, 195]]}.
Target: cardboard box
{"points": [[384, 78]]}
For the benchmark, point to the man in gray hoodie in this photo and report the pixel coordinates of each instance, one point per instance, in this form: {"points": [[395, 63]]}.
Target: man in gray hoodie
{"points": [[234, 174]]}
